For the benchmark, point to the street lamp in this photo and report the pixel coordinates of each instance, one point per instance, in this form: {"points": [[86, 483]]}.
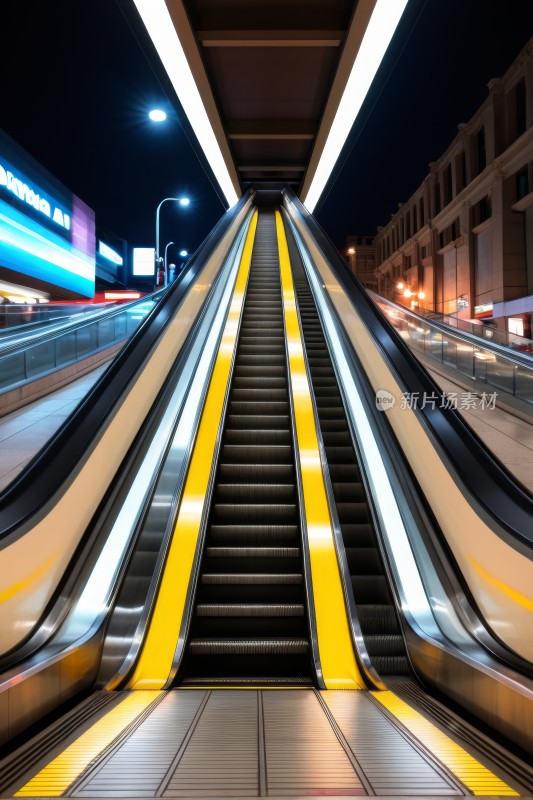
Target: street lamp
{"points": [[183, 201]]}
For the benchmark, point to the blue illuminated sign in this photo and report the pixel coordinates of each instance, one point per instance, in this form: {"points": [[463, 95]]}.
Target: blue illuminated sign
{"points": [[46, 232]]}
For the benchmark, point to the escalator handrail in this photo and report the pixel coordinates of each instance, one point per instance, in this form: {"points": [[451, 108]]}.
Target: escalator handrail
{"points": [[514, 357], [487, 480], [53, 465], [74, 325]]}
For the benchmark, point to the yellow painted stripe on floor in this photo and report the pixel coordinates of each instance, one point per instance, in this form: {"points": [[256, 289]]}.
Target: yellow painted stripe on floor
{"points": [[155, 663], [477, 778], [54, 779], [339, 667]]}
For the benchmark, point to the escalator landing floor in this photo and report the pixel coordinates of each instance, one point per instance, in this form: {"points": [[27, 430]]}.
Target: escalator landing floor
{"points": [[264, 743]]}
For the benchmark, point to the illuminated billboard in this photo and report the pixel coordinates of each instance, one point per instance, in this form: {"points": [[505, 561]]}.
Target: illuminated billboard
{"points": [[47, 236], [143, 261]]}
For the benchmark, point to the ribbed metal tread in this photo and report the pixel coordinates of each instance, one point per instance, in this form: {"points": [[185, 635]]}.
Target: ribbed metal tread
{"points": [[252, 577], [250, 610], [286, 682], [244, 647], [252, 552]]}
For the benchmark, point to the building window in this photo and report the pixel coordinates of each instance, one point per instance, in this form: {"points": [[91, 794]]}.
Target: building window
{"points": [[415, 219], [424, 251], [422, 213], [481, 211], [481, 150], [522, 183], [520, 96], [437, 197], [448, 187]]}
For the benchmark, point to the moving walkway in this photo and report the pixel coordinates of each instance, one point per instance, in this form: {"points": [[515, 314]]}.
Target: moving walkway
{"points": [[253, 613]]}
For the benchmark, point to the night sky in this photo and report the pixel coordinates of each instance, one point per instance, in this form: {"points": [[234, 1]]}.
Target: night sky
{"points": [[75, 89]]}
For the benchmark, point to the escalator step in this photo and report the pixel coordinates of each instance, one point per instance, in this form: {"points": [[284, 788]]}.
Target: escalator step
{"points": [[256, 473], [254, 534], [264, 393], [371, 589], [358, 534], [252, 552], [257, 578], [351, 492], [378, 619], [354, 512], [253, 436], [243, 647], [250, 610], [253, 422], [255, 493], [391, 665], [384, 645], [257, 453], [266, 408], [258, 513], [364, 560]]}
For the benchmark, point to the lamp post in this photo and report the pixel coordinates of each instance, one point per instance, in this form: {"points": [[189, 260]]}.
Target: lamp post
{"points": [[183, 201]]}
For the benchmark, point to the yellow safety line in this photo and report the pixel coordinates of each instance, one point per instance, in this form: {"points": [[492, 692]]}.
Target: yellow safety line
{"points": [[477, 778], [155, 663], [54, 779], [339, 667]]}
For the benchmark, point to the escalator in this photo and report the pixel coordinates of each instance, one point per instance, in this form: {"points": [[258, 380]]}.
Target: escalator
{"points": [[373, 600], [250, 619]]}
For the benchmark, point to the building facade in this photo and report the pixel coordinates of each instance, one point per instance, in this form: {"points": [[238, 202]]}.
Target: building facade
{"points": [[360, 254], [463, 243]]}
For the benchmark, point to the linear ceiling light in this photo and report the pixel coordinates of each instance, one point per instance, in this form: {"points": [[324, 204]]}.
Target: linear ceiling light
{"points": [[379, 32], [155, 15]]}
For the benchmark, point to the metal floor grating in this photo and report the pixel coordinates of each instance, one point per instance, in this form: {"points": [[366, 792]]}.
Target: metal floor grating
{"points": [[266, 743]]}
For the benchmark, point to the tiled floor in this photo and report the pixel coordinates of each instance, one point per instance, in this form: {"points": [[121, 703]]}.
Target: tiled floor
{"points": [[25, 431]]}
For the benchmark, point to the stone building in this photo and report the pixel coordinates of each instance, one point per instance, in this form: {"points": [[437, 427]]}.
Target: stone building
{"points": [[463, 243], [360, 254]]}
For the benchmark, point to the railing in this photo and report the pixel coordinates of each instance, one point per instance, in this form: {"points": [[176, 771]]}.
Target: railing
{"points": [[19, 365], [488, 364], [482, 331]]}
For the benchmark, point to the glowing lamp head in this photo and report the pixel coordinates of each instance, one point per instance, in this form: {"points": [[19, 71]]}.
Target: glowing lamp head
{"points": [[399, 285], [421, 295], [183, 253], [407, 293], [351, 251], [157, 115], [184, 201]]}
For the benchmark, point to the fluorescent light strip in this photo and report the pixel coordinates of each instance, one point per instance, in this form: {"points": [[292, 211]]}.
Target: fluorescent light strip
{"points": [[379, 32], [160, 27]]}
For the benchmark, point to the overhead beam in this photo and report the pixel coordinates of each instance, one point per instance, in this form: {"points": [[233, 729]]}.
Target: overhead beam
{"points": [[271, 167], [270, 129], [270, 38]]}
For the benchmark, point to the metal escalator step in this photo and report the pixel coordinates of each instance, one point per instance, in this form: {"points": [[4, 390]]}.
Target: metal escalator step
{"points": [[223, 680], [257, 422], [248, 371], [334, 425], [391, 665], [266, 513], [259, 381], [258, 578], [384, 644], [364, 561], [252, 552], [358, 534], [352, 512], [255, 493], [252, 437], [378, 619], [237, 452], [348, 491], [256, 473], [254, 407], [344, 472], [370, 589], [336, 438], [250, 610], [340, 455], [254, 534], [244, 647]]}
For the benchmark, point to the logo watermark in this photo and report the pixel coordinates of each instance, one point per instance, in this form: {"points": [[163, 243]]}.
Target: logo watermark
{"points": [[462, 401]]}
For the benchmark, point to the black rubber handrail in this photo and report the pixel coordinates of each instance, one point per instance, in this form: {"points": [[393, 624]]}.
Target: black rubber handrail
{"points": [[53, 465], [487, 480]]}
